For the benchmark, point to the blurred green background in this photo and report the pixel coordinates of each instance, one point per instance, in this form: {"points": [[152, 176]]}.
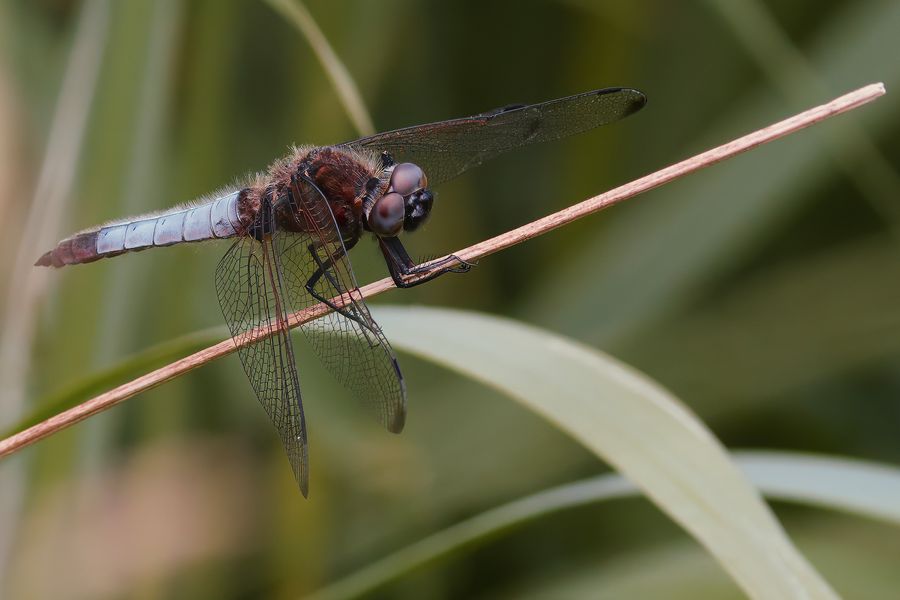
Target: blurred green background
{"points": [[762, 291]]}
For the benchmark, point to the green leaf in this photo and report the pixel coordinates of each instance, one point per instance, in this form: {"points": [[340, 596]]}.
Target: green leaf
{"points": [[862, 488], [625, 419], [628, 421]]}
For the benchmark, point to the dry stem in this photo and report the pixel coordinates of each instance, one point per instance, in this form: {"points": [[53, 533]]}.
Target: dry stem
{"points": [[180, 367]]}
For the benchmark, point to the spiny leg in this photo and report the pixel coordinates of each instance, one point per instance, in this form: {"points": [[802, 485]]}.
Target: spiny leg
{"points": [[403, 270], [323, 268]]}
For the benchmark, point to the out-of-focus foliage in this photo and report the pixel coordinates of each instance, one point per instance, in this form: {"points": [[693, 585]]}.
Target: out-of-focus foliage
{"points": [[763, 291]]}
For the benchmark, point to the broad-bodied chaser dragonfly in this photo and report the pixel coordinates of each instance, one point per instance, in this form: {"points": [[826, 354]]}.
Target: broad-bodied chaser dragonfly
{"points": [[296, 222]]}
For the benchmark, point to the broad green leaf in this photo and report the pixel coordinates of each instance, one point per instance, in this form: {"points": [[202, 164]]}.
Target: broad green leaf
{"points": [[630, 422], [858, 487], [627, 420], [860, 560]]}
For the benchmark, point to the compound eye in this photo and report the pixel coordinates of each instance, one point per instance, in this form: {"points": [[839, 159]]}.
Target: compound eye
{"points": [[386, 218], [407, 178]]}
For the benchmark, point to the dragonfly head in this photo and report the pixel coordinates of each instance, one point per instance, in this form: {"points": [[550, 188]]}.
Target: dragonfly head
{"points": [[406, 204]]}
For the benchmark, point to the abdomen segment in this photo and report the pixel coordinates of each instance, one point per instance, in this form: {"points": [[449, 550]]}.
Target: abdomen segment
{"points": [[212, 220]]}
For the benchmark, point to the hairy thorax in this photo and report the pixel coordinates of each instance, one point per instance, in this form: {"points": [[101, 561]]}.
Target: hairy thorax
{"points": [[344, 177]]}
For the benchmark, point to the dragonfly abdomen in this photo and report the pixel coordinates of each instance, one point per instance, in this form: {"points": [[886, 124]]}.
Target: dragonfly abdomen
{"points": [[212, 220]]}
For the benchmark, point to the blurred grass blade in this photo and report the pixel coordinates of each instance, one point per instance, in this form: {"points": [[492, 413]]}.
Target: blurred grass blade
{"points": [[157, 56], [137, 364], [58, 171], [682, 237], [628, 421], [296, 13], [858, 487], [786, 67], [857, 557], [47, 208], [474, 532], [794, 308], [855, 486]]}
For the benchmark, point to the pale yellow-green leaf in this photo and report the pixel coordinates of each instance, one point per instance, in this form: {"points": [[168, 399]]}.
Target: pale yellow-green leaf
{"points": [[630, 422], [858, 487]]}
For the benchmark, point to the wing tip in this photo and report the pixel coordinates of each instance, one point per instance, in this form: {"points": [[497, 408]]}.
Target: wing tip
{"points": [[399, 421], [397, 424], [636, 98], [302, 476]]}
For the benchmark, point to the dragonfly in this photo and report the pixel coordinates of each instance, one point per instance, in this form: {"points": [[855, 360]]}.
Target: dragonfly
{"points": [[293, 227]]}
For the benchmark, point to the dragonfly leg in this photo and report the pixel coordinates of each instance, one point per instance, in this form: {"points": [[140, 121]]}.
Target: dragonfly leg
{"points": [[407, 273], [324, 269]]}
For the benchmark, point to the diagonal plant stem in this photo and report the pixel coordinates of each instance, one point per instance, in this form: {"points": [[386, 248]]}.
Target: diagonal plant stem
{"points": [[177, 368]]}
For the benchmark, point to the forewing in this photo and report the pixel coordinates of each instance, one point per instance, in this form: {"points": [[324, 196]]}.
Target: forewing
{"points": [[249, 291], [447, 148], [348, 340]]}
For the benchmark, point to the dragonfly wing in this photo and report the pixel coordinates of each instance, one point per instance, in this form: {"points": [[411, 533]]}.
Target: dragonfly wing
{"points": [[250, 291], [448, 148], [348, 341]]}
